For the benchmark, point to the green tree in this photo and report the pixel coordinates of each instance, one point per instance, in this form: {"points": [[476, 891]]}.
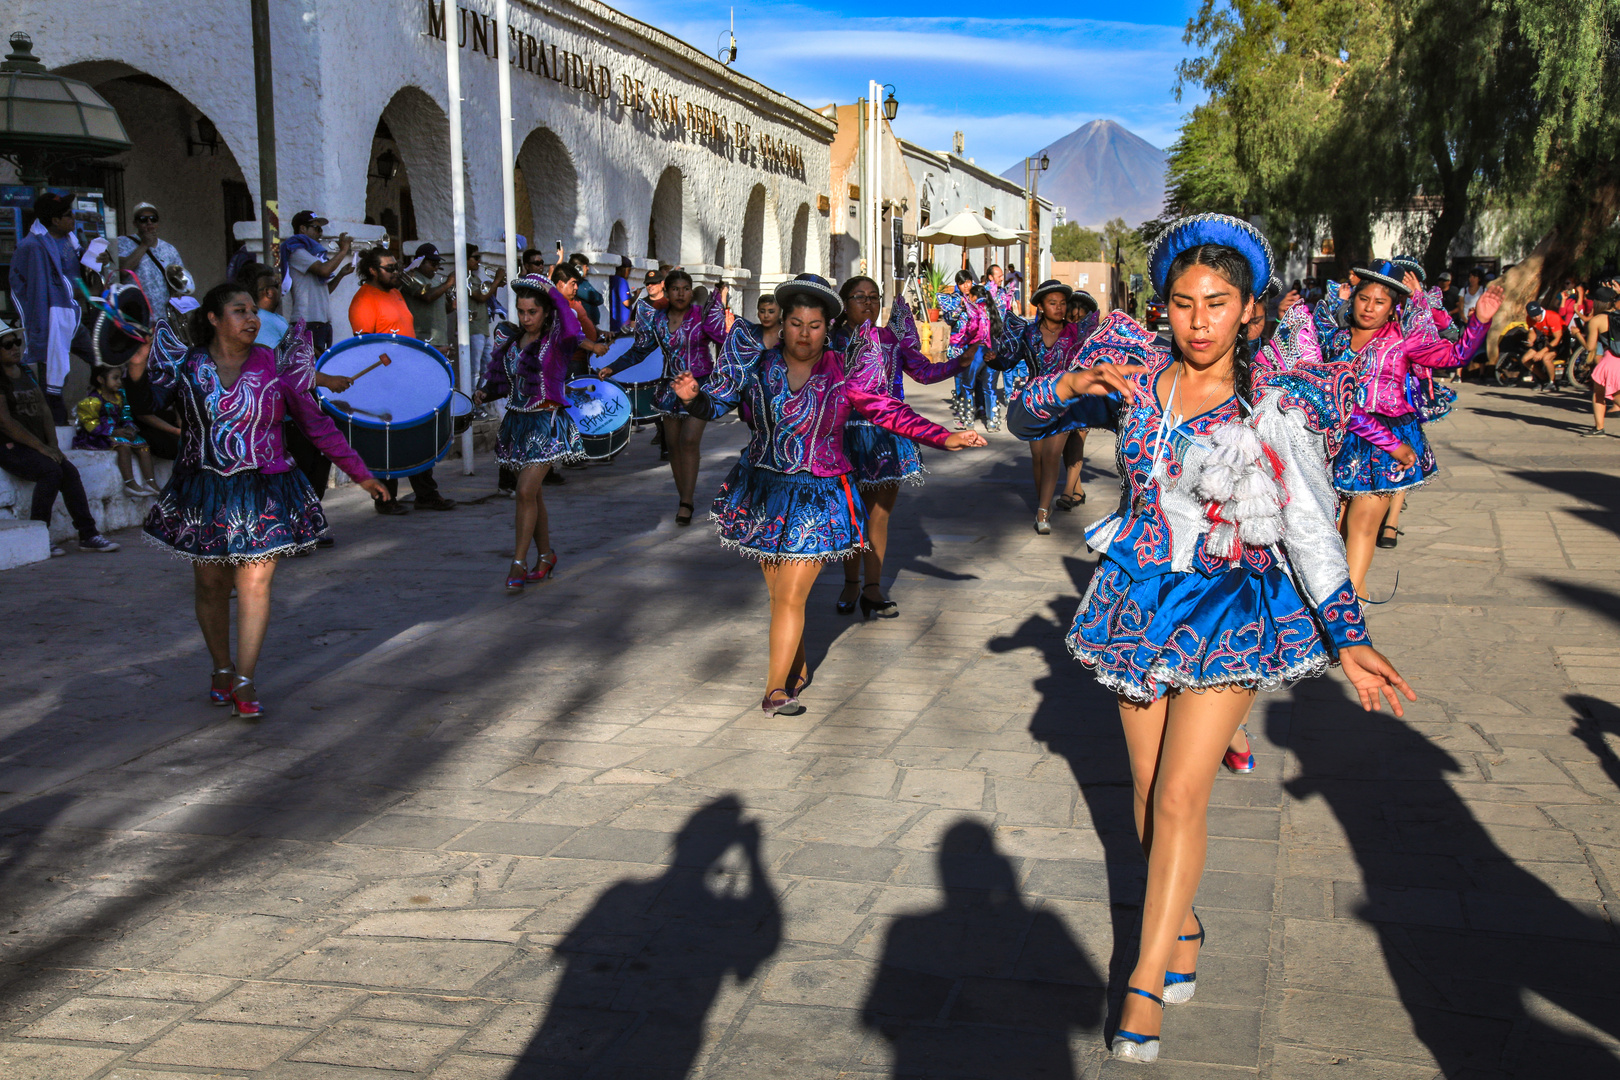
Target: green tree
{"points": [[1073, 242]]}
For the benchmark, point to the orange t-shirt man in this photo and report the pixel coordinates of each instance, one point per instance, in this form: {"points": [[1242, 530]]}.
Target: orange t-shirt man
{"points": [[380, 311]]}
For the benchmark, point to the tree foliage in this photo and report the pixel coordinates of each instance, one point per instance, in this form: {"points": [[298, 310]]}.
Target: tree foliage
{"points": [[1073, 242], [1338, 110]]}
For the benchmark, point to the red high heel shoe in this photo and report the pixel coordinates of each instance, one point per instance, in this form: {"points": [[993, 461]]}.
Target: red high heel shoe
{"points": [[216, 696], [542, 569], [516, 575], [247, 707]]}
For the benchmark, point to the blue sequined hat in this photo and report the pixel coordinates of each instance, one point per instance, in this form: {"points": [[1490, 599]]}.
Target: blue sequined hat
{"points": [[1387, 273], [818, 289], [1190, 232], [1412, 263]]}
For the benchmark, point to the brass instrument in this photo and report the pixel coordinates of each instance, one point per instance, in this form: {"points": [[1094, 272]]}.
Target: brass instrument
{"points": [[179, 280]]}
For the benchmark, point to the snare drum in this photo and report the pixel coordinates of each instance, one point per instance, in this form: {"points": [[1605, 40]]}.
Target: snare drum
{"points": [[400, 418], [601, 412]]}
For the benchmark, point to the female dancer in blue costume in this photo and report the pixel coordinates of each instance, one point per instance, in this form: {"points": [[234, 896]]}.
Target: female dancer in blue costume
{"points": [[970, 339], [881, 459], [789, 501], [1044, 345], [529, 367], [687, 337], [1221, 573], [236, 503], [1385, 450]]}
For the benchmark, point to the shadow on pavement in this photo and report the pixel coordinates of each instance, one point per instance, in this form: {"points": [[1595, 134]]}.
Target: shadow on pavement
{"points": [[1471, 938], [643, 967], [1528, 418], [984, 986], [1602, 602], [1079, 721], [1595, 719], [1587, 485]]}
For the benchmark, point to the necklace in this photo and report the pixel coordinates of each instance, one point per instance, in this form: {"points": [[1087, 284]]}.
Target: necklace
{"points": [[1202, 405]]}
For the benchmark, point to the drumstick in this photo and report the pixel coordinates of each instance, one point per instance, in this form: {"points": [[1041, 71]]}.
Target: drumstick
{"points": [[382, 361], [346, 407]]}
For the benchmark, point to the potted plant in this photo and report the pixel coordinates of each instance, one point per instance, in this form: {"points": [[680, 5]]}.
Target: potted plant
{"points": [[933, 283]]}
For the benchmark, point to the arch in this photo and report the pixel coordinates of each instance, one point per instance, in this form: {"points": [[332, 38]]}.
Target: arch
{"points": [[761, 244], [198, 193], [417, 131], [799, 250], [550, 190], [665, 227], [619, 239], [720, 252]]}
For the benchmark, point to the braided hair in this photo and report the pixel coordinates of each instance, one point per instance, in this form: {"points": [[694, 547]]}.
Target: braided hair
{"points": [[1233, 266]]}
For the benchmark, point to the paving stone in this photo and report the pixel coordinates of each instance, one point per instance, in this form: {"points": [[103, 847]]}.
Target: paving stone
{"points": [[222, 1046], [163, 986], [281, 1004], [380, 1044], [427, 965], [127, 1021], [44, 1061]]}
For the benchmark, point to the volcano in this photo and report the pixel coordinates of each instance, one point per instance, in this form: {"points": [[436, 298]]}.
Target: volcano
{"points": [[1101, 171]]}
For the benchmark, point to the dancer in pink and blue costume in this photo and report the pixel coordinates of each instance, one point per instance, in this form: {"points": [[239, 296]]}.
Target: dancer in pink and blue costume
{"points": [[236, 502], [881, 460], [1221, 572], [790, 501], [687, 337], [970, 338], [529, 368]]}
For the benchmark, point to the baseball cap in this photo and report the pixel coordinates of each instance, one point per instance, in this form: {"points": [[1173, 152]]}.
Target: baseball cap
{"points": [[1535, 311], [1603, 292], [305, 218], [50, 206], [654, 277], [427, 251]]}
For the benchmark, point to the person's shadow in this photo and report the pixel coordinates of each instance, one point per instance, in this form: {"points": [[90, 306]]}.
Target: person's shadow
{"points": [[1483, 953], [643, 967], [1078, 720], [984, 986]]}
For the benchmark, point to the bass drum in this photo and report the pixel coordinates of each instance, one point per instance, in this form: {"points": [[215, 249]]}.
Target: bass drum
{"points": [[399, 417], [638, 381], [601, 412]]}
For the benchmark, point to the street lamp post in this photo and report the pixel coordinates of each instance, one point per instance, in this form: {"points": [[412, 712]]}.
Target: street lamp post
{"points": [[869, 167], [1033, 167]]}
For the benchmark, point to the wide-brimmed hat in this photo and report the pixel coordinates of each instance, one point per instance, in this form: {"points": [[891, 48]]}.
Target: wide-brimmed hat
{"points": [[123, 325], [538, 283], [817, 289], [1050, 285], [6, 330], [1386, 273], [1412, 263]]}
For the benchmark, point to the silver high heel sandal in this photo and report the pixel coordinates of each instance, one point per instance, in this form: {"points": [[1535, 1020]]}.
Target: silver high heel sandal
{"points": [[1043, 523], [1129, 1046], [1180, 986]]}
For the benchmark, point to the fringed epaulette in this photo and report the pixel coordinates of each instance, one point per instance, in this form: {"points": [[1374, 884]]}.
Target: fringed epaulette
{"points": [[1292, 367]]}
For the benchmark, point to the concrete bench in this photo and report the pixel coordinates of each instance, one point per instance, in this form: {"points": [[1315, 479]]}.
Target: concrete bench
{"points": [[111, 506]]}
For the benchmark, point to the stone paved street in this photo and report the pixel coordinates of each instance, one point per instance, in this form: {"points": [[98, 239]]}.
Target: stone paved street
{"points": [[474, 827]]}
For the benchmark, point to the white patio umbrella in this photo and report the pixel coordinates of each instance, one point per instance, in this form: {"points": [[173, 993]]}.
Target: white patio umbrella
{"points": [[966, 229]]}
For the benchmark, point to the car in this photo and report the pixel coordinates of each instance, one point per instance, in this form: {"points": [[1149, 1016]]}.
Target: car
{"points": [[1157, 317]]}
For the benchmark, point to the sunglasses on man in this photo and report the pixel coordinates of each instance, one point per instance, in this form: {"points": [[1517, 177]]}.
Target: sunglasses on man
{"points": [[146, 219]]}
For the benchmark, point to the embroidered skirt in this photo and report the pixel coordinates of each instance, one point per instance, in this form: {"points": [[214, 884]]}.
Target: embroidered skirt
{"points": [[1364, 469], [542, 437], [1187, 632], [242, 518], [879, 457], [789, 516]]}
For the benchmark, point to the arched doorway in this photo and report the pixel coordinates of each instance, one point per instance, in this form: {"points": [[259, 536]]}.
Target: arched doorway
{"points": [[619, 239], [549, 191], [665, 226], [199, 189], [416, 132], [799, 252], [761, 245]]}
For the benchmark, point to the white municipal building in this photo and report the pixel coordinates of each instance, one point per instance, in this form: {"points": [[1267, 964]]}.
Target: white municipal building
{"points": [[628, 141]]}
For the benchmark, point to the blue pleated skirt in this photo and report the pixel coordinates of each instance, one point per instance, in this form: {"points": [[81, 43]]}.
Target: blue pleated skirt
{"points": [[789, 516], [242, 518], [879, 457], [1364, 469], [544, 437], [1188, 632]]}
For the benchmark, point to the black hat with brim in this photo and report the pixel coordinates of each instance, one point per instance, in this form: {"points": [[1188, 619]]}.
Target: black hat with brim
{"points": [[1384, 273], [816, 289], [1051, 285], [118, 333]]}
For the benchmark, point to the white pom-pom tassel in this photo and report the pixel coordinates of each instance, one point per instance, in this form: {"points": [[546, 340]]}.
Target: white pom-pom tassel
{"points": [[1261, 531], [1222, 542]]}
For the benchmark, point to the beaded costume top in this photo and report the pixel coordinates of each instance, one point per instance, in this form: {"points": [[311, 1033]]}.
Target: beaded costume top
{"points": [[534, 377]]}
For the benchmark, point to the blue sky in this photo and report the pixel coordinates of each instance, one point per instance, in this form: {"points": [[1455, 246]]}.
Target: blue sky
{"points": [[1012, 85]]}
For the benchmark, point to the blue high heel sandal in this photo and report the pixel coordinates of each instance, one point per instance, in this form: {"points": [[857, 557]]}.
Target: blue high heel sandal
{"points": [[1129, 1046], [1180, 986]]}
